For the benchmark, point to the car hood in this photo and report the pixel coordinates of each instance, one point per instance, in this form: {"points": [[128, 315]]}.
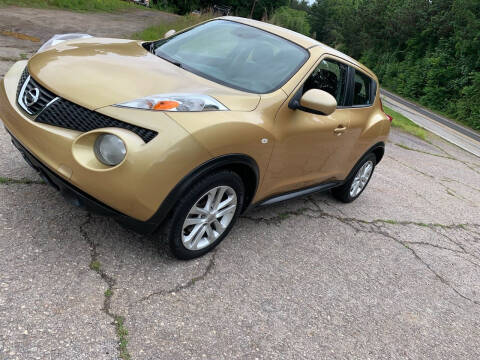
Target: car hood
{"points": [[98, 72]]}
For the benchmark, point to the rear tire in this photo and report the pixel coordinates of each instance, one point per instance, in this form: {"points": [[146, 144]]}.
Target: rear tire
{"points": [[205, 214], [358, 182]]}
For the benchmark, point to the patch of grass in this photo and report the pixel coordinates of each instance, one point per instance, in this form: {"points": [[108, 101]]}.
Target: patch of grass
{"points": [[8, 181], [182, 22], [401, 122], [405, 147], [108, 292], [95, 265], [76, 5], [393, 222], [424, 152], [122, 333], [283, 216]]}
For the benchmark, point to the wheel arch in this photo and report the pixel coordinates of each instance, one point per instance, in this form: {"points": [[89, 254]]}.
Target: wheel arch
{"points": [[378, 150], [245, 166]]}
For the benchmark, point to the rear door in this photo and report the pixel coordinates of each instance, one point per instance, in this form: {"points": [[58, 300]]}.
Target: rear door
{"points": [[364, 115]]}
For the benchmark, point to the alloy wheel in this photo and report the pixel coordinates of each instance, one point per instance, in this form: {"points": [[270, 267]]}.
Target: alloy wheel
{"points": [[361, 178], [209, 217]]}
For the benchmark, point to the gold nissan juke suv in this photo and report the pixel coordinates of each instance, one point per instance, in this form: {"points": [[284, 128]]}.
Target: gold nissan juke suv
{"points": [[190, 131]]}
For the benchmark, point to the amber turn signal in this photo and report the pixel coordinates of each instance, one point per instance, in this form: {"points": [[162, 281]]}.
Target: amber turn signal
{"points": [[165, 105]]}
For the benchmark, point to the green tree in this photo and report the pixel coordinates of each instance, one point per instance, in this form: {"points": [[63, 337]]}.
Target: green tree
{"points": [[426, 50], [295, 20]]}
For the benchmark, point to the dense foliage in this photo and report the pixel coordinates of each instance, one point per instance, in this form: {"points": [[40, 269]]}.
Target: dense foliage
{"points": [[426, 50], [293, 19]]}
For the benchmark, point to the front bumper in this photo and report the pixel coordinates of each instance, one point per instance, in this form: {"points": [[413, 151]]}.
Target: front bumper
{"points": [[79, 198], [136, 188]]}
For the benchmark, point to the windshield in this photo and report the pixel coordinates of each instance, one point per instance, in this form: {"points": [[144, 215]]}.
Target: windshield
{"points": [[233, 54]]}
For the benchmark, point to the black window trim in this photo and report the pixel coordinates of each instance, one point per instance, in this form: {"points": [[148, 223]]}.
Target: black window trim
{"points": [[351, 89], [294, 102]]}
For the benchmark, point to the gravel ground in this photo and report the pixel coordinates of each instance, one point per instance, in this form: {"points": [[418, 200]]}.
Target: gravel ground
{"points": [[394, 275], [39, 25]]}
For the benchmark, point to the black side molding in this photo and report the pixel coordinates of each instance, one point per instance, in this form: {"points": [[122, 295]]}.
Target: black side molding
{"points": [[297, 193], [378, 149]]}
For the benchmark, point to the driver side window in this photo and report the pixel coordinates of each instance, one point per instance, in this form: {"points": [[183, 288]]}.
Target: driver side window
{"points": [[329, 76]]}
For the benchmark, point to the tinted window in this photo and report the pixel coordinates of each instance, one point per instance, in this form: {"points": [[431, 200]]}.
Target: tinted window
{"points": [[362, 93], [329, 76], [234, 54]]}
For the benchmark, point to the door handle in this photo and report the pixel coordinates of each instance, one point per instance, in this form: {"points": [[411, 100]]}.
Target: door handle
{"points": [[340, 130]]}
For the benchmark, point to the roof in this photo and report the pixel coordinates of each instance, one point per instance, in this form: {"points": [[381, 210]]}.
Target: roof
{"points": [[302, 40]]}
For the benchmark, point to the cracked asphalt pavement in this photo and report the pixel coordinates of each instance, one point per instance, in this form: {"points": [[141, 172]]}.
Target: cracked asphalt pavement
{"points": [[394, 275]]}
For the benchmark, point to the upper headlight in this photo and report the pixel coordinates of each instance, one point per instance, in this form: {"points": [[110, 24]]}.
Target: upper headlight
{"points": [[176, 102], [58, 38]]}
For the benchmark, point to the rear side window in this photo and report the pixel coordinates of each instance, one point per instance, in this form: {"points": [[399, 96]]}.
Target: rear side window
{"points": [[329, 76], [363, 93]]}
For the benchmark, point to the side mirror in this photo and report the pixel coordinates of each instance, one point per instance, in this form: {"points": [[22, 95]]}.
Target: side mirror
{"points": [[169, 33], [318, 100]]}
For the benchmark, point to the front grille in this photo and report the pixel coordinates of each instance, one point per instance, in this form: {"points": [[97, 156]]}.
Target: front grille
{"points": [[34, 93], [65, 114], [24, 77]]}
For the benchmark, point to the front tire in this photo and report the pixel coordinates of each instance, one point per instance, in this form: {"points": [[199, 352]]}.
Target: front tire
{"points": [[358, 182], [205, 214]]}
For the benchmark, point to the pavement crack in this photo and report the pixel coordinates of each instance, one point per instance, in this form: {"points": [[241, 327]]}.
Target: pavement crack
{"points": [[280, 217], [464, 250], [405, 147], [448, 156], [460, 182], [441, 149], [435, 273], [190, 283], [319, 213], [411, 167], [449, 190], [95, 265], [378, 225], [423, 243]]}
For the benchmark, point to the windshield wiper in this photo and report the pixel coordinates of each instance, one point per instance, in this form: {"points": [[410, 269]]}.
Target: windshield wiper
{"points": [[170, 60], [174, 62]]}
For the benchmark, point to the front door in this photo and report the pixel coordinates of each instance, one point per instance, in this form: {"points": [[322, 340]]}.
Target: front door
{"points": [[309, 147]]}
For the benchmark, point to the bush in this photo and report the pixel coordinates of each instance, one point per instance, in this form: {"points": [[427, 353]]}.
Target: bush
{"points": [[468, 107], [158, 31], [292, 19]]}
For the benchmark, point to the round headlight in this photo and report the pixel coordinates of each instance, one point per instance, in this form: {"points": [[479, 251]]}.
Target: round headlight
{"points": [[109, 149]]}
